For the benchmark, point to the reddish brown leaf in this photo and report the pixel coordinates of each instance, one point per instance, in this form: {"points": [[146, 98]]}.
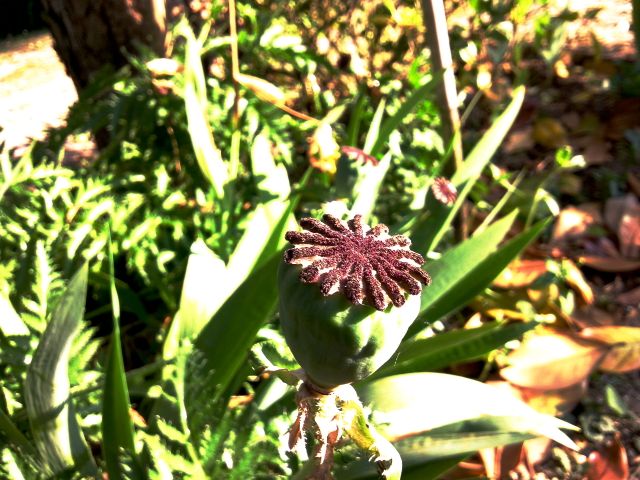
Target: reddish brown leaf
{"points": [[556, 401], [591, 317], [552, 360], [609, 463], [521, 273], [629, 231], [632, 297], [609, 264], [623, 343]]}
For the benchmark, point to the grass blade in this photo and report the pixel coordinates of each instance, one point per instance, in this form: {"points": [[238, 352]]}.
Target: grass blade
{"points": [[51, 413]]}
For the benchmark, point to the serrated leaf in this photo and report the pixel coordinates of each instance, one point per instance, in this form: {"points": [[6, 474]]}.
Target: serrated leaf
{"points": [[50, 410]]}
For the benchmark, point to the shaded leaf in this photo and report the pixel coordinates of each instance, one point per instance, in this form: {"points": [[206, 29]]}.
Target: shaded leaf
{"points": [[117, 427], [609, 264], [50, 410]]}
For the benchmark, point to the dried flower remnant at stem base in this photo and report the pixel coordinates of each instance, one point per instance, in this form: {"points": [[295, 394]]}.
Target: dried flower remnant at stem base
{"points": [[444, 191], [369, 267]]}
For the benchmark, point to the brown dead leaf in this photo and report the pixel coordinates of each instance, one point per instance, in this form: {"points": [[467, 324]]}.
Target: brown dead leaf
{"points": [[597, 151], [557, 402], [520, 273], [629, 231], [614, 209], [632, 297], [625, 117], [520, 140], [574, 277], [549, 133], [591, 317], [576, 221], [609, 463], [623, 344], [609, 264], [552, 360]]}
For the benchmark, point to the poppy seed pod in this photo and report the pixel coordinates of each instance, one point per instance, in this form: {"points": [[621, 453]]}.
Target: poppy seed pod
{"points": [[348, 294]]}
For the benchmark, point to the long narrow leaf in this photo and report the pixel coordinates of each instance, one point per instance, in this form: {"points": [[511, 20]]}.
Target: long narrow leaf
{"points": [[117, 427], [455, 267], [481, 276], [430, 229], [207, 154], [49, 407], [444, 349]]}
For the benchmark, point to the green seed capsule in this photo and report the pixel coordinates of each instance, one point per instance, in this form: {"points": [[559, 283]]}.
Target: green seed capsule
{"points": [[353, 323]]}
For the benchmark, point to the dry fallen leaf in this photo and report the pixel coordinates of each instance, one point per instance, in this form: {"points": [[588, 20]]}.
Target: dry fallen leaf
{"points": [[576, 221], [591, 317], [609, 264], [552, 360], [623, 344], [521, 273], [615, 207], [609, 463], [574, 277], [549, 133], [632, 297], [520, 140], [629, 231], [597, 151], [557, 402]]}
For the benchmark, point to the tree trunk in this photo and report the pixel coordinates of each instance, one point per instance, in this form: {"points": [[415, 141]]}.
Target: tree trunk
{"points": [[90, 35]]}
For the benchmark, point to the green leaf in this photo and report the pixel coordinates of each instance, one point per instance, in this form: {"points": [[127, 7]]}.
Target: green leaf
{"points": [[431, 415], [444, 349], [203, 292], [430, 229], [490, 141], [389, 125], [367, 187], [478, 274], [117, 427], [374, 128], [454, 269], [50, 410], [13, 434], [195, 98]]}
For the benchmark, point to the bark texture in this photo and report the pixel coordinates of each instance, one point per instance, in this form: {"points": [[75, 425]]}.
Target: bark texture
{"points": [[92, 35]]}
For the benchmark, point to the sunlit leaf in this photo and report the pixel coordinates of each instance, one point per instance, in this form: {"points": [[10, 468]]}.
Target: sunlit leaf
{"points": [[447, 348], [624, 347], [609, 462], [552, 360], [437, 219]]}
